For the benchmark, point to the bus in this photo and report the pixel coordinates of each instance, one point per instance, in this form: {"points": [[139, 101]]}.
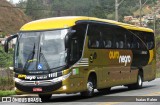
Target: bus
{"points": [[75, 54]]}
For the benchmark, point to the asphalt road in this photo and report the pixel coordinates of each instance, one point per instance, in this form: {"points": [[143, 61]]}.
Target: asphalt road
{"points": [[120, 95]]}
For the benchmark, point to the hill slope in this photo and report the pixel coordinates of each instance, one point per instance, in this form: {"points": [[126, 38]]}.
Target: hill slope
{"points": [[11, 19]]}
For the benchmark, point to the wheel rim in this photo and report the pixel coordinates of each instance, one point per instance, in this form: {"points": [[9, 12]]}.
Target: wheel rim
{"points": [[90, 87], [139, 80]]}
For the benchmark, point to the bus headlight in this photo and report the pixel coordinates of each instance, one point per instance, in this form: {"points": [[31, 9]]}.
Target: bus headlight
{"points": [[17, 80], [64, 87], [62, 78], [52, 81]]}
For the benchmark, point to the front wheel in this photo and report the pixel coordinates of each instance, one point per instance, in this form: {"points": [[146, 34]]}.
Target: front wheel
{"points": [[90, 88]]}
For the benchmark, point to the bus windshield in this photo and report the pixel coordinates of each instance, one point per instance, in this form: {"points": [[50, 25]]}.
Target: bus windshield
{"points": [[41, 50]]}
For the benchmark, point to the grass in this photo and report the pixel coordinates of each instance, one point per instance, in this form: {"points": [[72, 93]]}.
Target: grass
{"points": [[7, 93]]}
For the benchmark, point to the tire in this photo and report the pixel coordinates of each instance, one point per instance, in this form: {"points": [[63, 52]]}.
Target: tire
{"points": [[45, 97], [90, 88], [105, 90], [138, 84]]}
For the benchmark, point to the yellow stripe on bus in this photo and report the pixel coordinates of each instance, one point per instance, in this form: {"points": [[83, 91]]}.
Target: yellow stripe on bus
{"points": [[151, 56]]}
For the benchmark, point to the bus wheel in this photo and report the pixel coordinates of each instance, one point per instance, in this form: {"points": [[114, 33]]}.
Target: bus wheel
{"points": [[45, 97], [90, 88], [139, 82], [105, 90]]}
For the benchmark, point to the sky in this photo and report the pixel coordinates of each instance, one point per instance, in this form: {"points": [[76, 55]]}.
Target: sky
{"points": [[14, 1]]}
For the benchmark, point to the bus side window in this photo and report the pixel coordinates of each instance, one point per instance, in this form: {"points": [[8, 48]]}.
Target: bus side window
{"points": [[94, 40], [74, 50], [150, 40], [137, 40], [119, 39], [128, 40], [135, 44], [108, 44], [149, 45], [121, 44], [117, 45], [107, 37], [97, 43]]}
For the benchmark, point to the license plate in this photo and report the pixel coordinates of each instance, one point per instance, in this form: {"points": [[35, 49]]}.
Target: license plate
{"points": [[37, 89]]}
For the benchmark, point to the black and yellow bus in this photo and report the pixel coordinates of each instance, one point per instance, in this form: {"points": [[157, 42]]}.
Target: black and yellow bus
{"points": [[80, 54]]}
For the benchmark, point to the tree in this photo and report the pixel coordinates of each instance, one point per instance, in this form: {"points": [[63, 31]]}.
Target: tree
{"points": [[35, 9], [5, 59], [98, 8]]}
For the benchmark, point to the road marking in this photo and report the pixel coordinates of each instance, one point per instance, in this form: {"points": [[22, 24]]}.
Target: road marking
{"points": [[153, 94], [113, 103], [109, 103]]}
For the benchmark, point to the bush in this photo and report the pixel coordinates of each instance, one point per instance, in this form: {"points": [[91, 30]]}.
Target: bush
{"points": [[6, 75], [6, 60]]}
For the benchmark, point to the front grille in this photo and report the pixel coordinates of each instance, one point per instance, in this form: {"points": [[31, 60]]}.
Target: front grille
{"points": [[42, 83], [45, 88]]}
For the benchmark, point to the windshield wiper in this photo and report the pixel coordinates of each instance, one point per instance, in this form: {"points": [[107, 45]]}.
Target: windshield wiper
{"points": [[31, 56], [44, 59]]}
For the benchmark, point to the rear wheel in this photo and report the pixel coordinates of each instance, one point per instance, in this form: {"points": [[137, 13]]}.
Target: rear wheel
{"points": [[90, 88], [45, 97], [139, 82]]}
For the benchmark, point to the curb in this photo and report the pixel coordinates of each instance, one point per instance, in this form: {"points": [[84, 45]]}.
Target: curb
{"points": [[24, 96]]}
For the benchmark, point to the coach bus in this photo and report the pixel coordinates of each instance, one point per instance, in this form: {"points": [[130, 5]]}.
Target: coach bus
{"points": [[80, 54]]}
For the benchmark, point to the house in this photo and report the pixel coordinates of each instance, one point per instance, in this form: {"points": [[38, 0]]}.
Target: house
{"points": [[128, 18]]}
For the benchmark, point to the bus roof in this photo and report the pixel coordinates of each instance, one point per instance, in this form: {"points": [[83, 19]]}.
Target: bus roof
{"points": [[69, 21]]}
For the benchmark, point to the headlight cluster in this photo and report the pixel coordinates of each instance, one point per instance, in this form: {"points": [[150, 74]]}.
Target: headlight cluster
{"points": [[52, 81]]}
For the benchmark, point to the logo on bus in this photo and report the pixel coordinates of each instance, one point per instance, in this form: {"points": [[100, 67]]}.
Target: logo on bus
{"points": [[125, 59], [92, 57], [122, 58], [21, 76]]}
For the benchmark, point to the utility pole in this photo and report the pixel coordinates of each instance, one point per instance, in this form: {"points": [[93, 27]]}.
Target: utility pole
{"points": [[140, 17], [116, 8]]}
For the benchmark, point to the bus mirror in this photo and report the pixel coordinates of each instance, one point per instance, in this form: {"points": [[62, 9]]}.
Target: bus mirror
{"points": [[67, 38], [7, 42], [73, 31], [67, 41]]}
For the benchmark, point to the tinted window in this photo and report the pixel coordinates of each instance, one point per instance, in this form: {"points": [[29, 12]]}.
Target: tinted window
{"points": [[150, 40], [145, 40], [95, 37], [129, 40], [119, 39], [105, 36], [135, 40]]}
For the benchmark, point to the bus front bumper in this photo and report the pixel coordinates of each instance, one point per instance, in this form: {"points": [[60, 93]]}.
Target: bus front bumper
{"points": [[40, 87]]}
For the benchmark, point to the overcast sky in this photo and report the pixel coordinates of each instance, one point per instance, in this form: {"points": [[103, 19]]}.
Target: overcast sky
{"points": [[14, 1]]}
